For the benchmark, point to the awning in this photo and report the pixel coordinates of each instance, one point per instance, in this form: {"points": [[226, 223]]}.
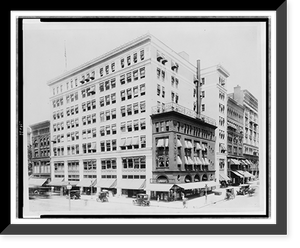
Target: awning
{"points": [[188, 144], [206, 161], [56, 182], [36, 182], [86, 183], [190, 161], [128, 142], [202, 161], [165, 187], [198, 185], [160, 143], [199, 161], [223, 177], [238, 174], [135, 141], [123, 141], [106, 183], [198, 147], [131, 184], [186, 161], [179, 160], [179, 143], [245, 173], [73, 183], [196, 162]]}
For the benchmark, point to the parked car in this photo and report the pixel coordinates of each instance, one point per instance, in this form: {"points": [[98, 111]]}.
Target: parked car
{"points": [[243, 190], [74, 195], [103, 196], [141, 200]]}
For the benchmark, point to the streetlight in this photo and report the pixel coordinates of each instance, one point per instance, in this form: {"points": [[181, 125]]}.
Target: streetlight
{"points": [[69, 187]]}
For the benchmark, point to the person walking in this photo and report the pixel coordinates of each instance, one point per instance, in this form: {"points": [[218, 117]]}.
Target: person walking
{"points": [[183, 200]]}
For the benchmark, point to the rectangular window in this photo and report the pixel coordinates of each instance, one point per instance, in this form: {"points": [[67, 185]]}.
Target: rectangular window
{"points": [[108, 147], [129, 126], [143, 123], [113, 98], [113, 67], [108, 130], [123, 126], [107, 85], [135, 75], [142, 89], [101, 86], [107, 100], [113, 83], [128, 60], [129, 109], [101, 101], [135, 91], [142, 72], [135, 57], [113, 113], [102, 132], [142, 54], [122, 79], [128, 75], [123, 96], [102, 116], [122, 63], [143, 141], [136, 125], [143, 106], [163, 91], [114, 146], [102, 146], [123, 112], [107, 114], [158, 90], [113, 128], [136, 108], [129, 93]]}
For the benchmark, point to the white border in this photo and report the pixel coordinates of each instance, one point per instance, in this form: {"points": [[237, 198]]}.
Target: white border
{"points": [[15, 14]]}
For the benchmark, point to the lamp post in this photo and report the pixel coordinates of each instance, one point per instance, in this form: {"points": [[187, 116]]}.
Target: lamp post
{"points": [[69, 187], [91, 188]]}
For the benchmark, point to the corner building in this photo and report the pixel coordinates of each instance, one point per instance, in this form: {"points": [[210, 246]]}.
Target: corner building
{"points": [[101, 122]]}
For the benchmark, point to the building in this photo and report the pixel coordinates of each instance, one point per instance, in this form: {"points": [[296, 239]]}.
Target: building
{"points": [[235, 134], [101, 123], [251, 129], [183, 152], [214, 104], [39, 134]]}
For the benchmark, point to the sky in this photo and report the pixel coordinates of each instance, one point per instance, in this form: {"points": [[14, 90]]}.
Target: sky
{"points": [[238, 47]]}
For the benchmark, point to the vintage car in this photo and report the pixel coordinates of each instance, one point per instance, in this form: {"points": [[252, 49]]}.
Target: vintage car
{"points": [[102, 196], [141, 200], [243, 190], [74, 194], [229, 193]]}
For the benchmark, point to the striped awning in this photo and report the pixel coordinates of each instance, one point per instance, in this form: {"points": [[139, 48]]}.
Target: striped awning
{"points": [[131, 184]]}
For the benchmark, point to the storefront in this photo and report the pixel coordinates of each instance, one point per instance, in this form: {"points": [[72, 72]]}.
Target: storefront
{"points": [[163, 191], [131, 188], [198, 188], [87, 186], [107, 184]]}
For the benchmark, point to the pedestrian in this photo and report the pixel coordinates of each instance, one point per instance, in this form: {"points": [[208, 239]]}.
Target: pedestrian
{"points": [[158, 198], [183, 200]]}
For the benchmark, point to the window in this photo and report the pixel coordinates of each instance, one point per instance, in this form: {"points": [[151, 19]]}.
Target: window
{"points": [[143, 141], [113, 83], [135, 75], [107, 100], [102, 146], [129, 93], [135, 57], [101, 100], [101, 72], [113, 67], [106, 69], [128, 76], [107, 85], [108, 147], [128, 60], [203, 107], [102, 116], [176, 83], [114, 148], [122, 79], [113, 128], [142, 89], [101, 86], [142, 54], [158, 90], [143, 106], [129, 126], [129, 109], [176, 98], [122, 63], [113, 98], [123, 113], [108, 130], [136, 125], [158, 72], [136, 108], [107, 114], [143, 123], [135, 91], [123, 126], [113, 113], [172, 96], [123, 96], [142, 72], [102, 132], [163, 91]]}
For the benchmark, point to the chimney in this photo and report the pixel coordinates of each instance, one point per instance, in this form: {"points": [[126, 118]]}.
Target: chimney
{"points": [[198, 89]]}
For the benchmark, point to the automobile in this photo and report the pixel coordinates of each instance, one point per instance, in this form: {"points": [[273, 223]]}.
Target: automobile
{"points": [[141, 200], [243, 190], [39, 192], [229, 193], [74, 195], [102, 196]]}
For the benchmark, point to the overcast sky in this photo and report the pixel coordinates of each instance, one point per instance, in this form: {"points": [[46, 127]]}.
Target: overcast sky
{"points": [[236, 46]]}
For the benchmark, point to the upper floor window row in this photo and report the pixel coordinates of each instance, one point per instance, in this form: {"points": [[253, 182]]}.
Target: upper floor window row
{"points": [[134, 75], [132, 58]]}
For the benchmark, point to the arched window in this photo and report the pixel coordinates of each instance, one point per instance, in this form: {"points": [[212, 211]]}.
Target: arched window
{"points": [[204, 177], [197, 178], [162, 179], [188, 179]]}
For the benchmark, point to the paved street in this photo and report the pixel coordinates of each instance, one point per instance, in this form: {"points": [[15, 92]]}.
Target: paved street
{"points": [[122, 205]]}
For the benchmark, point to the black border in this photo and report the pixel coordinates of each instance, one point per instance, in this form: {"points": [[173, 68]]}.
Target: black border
{"points": [[188, 229]]}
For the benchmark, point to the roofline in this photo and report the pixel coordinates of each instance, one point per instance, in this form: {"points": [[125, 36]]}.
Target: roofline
{"points": [[100, 58], [217, 67], [36, 125]]}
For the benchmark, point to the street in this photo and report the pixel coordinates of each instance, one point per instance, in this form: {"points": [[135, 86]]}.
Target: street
{"points": [[123, 205]]}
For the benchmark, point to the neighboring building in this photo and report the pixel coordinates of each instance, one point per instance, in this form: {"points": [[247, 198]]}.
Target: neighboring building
{"points": [[214, 104], [101, 115], [183, 151], [235, 130], [251, 129], [40, 149]]}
